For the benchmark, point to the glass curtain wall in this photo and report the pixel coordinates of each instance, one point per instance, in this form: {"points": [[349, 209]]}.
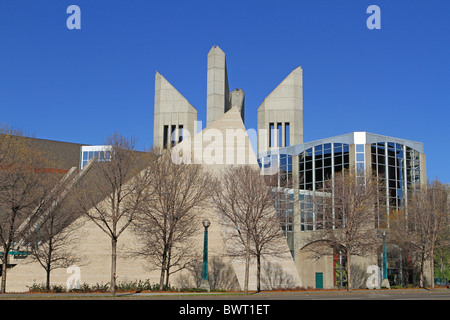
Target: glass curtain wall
{"points": [[397, 167]]}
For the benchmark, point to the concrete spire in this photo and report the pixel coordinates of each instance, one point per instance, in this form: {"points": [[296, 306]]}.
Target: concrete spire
{"points": [[218, 91]]}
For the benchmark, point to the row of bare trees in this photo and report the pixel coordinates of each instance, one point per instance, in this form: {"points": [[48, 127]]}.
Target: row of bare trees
{"points": [[246, 204], [27, 191], [348, 214], [160, 201]]}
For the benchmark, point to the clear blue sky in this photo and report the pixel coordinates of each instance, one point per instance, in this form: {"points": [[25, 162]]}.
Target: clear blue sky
{"points": [[83, 85]]}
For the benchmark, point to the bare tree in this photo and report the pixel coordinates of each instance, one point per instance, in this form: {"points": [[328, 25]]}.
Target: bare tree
{"points": [[25, 187], [423, 225], [345, 217], [246, 204], [169, 215], [112, 198], [55, 242]]}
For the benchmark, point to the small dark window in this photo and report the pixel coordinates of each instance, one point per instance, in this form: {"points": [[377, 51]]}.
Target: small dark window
{"points": [[166, 137]]}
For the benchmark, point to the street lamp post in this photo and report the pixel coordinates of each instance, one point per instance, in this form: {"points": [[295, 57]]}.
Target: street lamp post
{"points": [[385, 280], [205, 282]]}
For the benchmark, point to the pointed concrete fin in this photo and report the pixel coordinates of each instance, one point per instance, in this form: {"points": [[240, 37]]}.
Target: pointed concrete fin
{"points": [[168, 98], [289, 88], [171, 110]]}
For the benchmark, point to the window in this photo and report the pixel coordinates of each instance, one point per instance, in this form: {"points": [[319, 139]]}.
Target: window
{"points": [[280, 134], [180, 133], [173, 136], [166, 137], [317, 164], [101, 153], [271, 135], [360, 158], [287, 134]]}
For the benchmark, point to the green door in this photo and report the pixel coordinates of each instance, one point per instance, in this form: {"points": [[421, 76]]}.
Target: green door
{"points": [[319, 280]]}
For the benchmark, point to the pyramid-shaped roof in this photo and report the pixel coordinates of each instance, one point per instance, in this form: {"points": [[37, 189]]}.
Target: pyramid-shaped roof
{"points": [[223, 142]]}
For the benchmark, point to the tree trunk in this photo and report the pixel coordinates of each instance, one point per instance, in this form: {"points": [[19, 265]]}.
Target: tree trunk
{"points": [[167, 278], [247, 265], [113, 264], [161, 278], [169, 254], [349, 278], [4, 266], [47, 283], [421, 281], [258, 272], [50, 247], [163, 270], [432, 267]]}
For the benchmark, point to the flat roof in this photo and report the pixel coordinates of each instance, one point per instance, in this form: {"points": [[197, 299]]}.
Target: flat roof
{"points": [[360, 137]]}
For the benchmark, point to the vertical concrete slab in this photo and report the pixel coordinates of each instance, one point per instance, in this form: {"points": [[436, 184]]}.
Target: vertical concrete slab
{"points": [[171, 108], [283, 105], [217, 85]]}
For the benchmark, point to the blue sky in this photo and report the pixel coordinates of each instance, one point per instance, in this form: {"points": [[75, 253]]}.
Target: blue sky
{"points": [[83, 85]]}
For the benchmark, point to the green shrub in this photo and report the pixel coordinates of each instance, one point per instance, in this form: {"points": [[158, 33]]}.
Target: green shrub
{"points": [[137, 286]]}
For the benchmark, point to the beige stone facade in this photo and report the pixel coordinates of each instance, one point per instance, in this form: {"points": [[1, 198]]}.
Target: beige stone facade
{"points": [[94, 246]]}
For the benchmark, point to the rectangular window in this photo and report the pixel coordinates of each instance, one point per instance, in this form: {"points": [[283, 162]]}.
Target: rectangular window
{"points": [[173, 136], [360, 157], [166, 137], [287, 134], [359, 148], [180, 133], [271, 135], [280, 134]]}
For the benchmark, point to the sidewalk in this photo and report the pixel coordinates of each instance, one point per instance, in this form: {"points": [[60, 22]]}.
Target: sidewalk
{"points": [[276, 295]]}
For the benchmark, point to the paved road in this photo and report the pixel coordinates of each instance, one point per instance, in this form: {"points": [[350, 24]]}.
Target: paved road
{"points": [[421, 294], [394, 294]]}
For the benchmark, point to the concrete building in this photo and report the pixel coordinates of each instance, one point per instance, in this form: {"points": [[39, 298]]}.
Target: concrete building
{"points": [[301, 168]]}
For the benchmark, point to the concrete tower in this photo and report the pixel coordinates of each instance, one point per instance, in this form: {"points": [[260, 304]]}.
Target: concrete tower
{"points": [[217, 100], [173, 115], [280, 115]]}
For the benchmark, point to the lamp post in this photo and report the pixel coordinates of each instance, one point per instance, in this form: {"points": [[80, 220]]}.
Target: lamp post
{"points": [[385, 280], [205, 282]]}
